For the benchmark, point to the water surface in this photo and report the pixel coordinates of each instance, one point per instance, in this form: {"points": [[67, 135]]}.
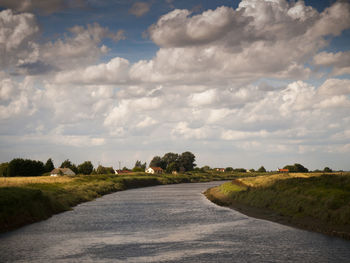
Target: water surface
{"points": [[172, 223]]}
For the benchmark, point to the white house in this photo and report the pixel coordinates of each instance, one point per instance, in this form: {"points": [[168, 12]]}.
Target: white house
{"points": [[154, 170], [62, 171]]}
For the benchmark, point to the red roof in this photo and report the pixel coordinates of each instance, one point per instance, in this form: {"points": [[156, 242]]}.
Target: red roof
{"points": [[283, 170]]}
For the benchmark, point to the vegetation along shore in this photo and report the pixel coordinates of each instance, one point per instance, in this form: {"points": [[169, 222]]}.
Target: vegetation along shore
{"points": [[314, 201]]}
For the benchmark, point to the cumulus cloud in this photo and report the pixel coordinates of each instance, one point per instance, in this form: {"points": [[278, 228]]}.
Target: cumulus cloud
{"points": [[17, 34], [18, 99], [339, 61], [201, 87], [22, 54], [258, 39], [80, 49], [115, 71], [140, 8]]}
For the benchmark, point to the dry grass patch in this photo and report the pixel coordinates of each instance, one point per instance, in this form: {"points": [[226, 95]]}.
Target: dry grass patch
{"points": [[267, 180], [22, 181]]}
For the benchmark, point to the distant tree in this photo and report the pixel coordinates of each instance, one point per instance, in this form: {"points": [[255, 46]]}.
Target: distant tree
{"points": [[186, 161], [66, 164], [3, 169], [139, 167], [49, 165], [262, 169], [206, 168], [169, 158], [172, 167], [296, 168], [228, 169], [21, 167], [74, 168], [157, 161], [327, 170], [103, 170], [85, 168], [252, 170], [240, 170], [126, 168]]}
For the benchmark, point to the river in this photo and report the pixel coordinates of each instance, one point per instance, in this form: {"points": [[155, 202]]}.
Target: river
{"points": [[171, 223]]}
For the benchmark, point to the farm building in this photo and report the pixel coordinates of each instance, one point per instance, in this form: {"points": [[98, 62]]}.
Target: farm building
{"points": [[283, 170], [154, 170], [122, 171], [62, 171]]}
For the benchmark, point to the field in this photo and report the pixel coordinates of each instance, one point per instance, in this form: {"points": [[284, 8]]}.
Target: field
{"points": [[319, 202], [25, 200]]}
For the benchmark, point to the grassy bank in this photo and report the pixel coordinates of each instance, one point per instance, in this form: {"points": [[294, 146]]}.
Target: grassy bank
{"points": [[318, 202], [24, 200]]}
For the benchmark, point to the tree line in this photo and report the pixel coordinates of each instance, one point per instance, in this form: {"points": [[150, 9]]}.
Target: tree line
{"points": [[175, 162], [169, 162]]}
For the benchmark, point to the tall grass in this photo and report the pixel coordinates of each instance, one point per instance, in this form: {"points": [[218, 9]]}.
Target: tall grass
{"points": [[320, 202], [21, 181]]}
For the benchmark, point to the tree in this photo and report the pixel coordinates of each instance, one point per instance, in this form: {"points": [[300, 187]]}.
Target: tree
{"points": [[172, 167], [296, 168], [139, 167], [49, 165], [3, 169], [85, 168], [104, 170], [68, 164], [228, 169], [157, 161], [327, 170], [186, 161], [169, 158], [21, 167], [206, 168], [262, 169]]}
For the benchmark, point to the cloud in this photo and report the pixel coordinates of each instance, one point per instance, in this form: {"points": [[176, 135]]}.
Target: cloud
{"points": [[334, 87], [18, 99], [80, 49], [115, 71], [43, 6], [340, 62], [17, 34], [140, 8], [259, 39], [234, 80]]}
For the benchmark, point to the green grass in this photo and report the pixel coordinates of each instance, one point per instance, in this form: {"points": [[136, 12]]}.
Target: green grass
{"points": [[320, 200], [27, 200]]}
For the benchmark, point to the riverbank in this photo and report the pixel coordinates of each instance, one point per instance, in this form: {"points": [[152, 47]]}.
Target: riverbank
{"points": [[319, 203], [26, 200]]}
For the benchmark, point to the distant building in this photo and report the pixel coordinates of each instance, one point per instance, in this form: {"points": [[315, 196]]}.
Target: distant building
{"points": [[220, 169], [62, 171], [283, 170], [122, 171], [154, 170]]}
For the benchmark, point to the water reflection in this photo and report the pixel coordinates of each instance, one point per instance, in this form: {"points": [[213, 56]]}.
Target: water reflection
{"points": [[173, 223]]}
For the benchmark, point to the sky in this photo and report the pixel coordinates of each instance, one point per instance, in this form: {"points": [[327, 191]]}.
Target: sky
{"points": [[238, 83]]}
